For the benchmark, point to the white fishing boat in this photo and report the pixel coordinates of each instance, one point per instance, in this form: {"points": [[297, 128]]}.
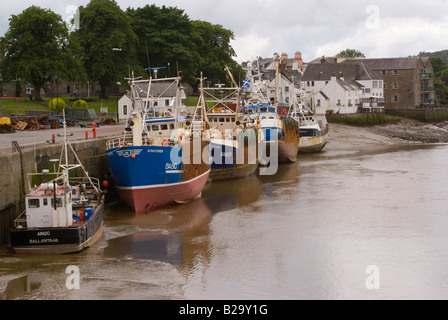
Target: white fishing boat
{"points": [[64, 214], [313, 128]]}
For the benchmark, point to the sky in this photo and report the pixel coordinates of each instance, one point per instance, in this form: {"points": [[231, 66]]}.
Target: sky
{"points": [[378, 28]]}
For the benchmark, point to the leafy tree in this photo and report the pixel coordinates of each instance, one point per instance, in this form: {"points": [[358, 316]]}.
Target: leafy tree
{"points": [[438, 64], [215, 51], [35, 46], [165, 40], [350, 53], [103, 27], [441, 90]]}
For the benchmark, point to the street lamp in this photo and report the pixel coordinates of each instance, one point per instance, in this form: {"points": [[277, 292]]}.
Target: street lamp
{"points": [[116, 51]]}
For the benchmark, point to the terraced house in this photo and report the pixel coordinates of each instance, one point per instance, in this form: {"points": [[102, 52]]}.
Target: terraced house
{"points": [[342, 86], [408, 82]]}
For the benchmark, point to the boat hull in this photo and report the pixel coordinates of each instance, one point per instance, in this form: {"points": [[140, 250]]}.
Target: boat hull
{"points": [[58, 240], [312, 144], [226, 160], [152, 178]]}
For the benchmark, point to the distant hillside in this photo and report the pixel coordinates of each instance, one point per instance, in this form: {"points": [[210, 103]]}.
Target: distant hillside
{"points": [[441, 54]]}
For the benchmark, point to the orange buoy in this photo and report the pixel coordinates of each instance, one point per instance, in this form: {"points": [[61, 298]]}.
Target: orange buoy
{"points": [[133, 156], [105, 184]]}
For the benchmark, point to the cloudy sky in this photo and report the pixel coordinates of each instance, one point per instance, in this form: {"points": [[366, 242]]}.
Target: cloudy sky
{"points": [[378, 28]]}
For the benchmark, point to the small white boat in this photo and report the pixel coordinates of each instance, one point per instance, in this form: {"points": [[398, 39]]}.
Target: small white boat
{"points": [[62, 215]]}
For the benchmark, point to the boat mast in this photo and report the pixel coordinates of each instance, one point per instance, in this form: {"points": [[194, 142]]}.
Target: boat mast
{"points": [[66, 169], [277, 62]]}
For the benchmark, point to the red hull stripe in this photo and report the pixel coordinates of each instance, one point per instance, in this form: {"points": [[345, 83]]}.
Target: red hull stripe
{"points": [[146, 199]]}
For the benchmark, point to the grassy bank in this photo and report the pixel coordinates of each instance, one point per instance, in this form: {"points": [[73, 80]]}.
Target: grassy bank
{"points": [[20, 105], [363, 119]]}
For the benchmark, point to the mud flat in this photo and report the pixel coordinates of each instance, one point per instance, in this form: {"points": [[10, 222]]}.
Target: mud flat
{"points": [[404, 132]]}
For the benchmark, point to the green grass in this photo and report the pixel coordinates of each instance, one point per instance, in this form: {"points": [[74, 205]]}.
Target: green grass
{"points": [[20, 105]]}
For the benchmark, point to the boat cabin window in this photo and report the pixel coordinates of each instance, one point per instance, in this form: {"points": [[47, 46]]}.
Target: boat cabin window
{"points": [[58, 202], [45, 202], [33, 203], [227, 119], [172, 126], [221, 119], [155, 127], [163, 127], [263, 109]]}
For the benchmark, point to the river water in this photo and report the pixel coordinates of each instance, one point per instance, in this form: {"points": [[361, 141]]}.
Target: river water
{"points": [[315, 230]]}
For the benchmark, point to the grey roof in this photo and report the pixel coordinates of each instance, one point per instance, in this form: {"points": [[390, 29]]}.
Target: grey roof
{"points": [[158, 89], [392, 63], [350, 70]]}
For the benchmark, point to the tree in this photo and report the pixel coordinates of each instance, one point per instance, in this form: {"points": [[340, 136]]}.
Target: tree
{"points": [[35, 46], [350, 53], [165, 40], [215, 51], [438, 64], [103, 27]]}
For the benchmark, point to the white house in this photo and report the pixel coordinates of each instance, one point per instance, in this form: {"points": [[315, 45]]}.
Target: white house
{"points": [[162, 97], [346, 87]]}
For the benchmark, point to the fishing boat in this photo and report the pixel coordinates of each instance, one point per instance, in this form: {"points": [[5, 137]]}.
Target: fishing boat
{"points": [[233, 144], [158, 161], [280, 133], [313, 128], [62, 215]]}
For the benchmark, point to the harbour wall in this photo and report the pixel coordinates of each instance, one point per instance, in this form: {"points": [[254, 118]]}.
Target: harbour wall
{"points": [[15, 167]]}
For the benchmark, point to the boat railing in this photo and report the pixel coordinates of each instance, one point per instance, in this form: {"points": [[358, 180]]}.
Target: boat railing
{"points": [[84, 180], [20, 221], [119, 142]]}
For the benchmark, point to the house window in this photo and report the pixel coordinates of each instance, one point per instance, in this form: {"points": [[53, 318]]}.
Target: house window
{"points": [[308, 83], [125, 109], [167, 103], [384, 85], [383, 71], [68, 89], [318, 102], [286, 89], [395, 72], [395, 99], [339, 102], [395, 86], [312, 83]]}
